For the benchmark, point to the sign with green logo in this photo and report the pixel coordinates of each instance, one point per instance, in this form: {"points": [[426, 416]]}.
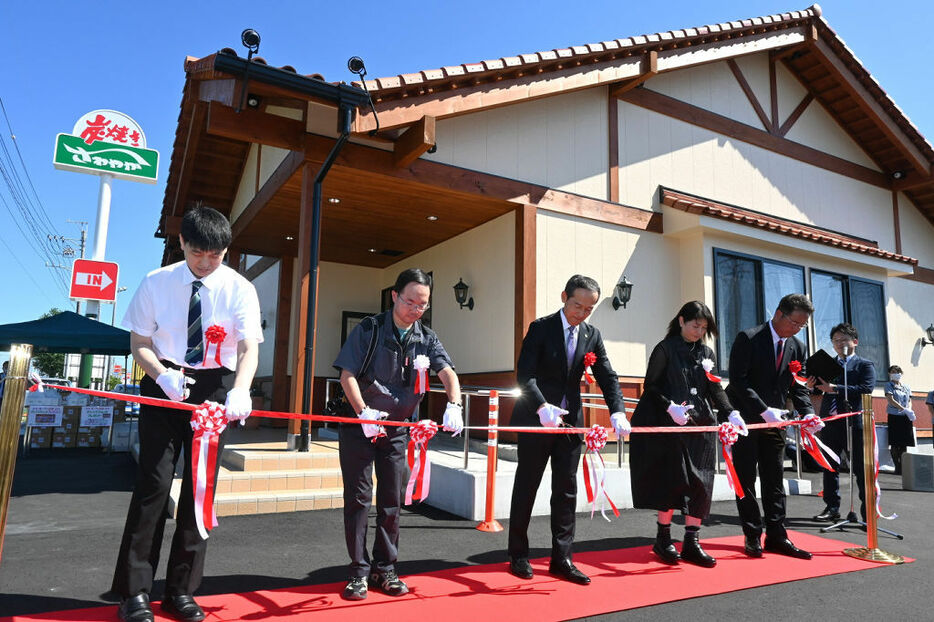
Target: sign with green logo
{"points": [[107, 141]]}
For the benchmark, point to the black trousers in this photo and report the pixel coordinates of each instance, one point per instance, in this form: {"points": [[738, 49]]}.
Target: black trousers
{"points": [[834, 436], [762, 451], [358, 455], [163, 434], [534, 451]]}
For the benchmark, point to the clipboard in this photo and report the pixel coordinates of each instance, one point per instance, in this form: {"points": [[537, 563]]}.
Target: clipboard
{"points": [[822, 365]]}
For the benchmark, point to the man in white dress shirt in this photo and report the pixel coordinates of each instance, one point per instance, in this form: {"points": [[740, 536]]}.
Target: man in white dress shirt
{"points": [[169, 316]]}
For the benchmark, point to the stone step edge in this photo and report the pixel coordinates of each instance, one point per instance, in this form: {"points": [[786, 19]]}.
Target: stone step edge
{"points": [[278, 495], [226, 473]]}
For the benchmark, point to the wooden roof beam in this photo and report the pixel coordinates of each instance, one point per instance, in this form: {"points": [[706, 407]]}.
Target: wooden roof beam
{"points": [[868, 104], [419, 138], [189, 156], [912, 181], [253, 126], [288, 167], [648, 70]]}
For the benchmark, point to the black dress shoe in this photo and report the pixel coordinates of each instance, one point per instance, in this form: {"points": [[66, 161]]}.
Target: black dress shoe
{"points": [[693, 553], [521, 568], [785, 547], [182, 607], [829, 515], [752, 548], [568, 571], [135, 609], [666, 553]]}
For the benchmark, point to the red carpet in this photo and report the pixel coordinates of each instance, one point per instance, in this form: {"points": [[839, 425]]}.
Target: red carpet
{"points": [[622, 579]]}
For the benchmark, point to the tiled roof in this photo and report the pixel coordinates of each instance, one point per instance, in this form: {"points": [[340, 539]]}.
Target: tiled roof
{"points": [[696, 205], [383, 88]]}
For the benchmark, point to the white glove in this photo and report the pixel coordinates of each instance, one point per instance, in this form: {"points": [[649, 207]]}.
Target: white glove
{"points": [[679, 412], [239, 405], [621, 424], [773, 415], [453, 419], [910, 414], [736, 419], [175, 384], [550, 415], [371, 414]]}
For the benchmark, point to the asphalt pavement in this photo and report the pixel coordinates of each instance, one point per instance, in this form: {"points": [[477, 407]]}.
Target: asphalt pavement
{"points": [[68, 506]]}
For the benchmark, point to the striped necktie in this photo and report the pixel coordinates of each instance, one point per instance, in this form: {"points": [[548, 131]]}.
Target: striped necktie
{"points": [[195, 352]]}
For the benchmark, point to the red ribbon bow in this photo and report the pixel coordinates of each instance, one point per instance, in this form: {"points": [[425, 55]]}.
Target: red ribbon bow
{"points": [[794, 367], [729, 434], [595, 481], [214, 335], [207, 421], [589, 359], [420, 479]]}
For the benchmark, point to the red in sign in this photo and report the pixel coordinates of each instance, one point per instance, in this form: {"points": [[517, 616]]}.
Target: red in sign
{"points": [[94, 280]]}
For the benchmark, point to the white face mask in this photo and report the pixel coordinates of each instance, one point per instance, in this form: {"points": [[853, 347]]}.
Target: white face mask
{"points": [[895, 377]]}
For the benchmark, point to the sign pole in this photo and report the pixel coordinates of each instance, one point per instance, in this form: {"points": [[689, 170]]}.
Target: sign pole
{"points": [[93, 307]]}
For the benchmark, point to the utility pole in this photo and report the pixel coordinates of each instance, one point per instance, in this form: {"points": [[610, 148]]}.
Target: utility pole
{"points": [[87, 360]]}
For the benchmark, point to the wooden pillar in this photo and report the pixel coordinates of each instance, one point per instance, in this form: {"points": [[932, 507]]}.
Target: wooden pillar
{"points": [[525, 273], [304, 251], [280, 364]]}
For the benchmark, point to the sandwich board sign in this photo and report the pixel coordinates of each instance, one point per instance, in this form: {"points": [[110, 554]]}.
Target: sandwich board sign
{"points": [[107, 141]]}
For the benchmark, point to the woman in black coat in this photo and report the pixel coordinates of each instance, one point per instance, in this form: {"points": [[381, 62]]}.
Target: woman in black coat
{"points": [[675, 471]]}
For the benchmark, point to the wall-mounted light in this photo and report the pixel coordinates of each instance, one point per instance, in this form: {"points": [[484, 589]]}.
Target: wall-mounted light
{"points": [[623, 291], [930, 336], [460, 294]]}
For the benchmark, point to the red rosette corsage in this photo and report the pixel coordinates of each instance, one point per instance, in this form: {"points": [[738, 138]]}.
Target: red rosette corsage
{"points": [[214, 335], [794, 367], [589, 359]]}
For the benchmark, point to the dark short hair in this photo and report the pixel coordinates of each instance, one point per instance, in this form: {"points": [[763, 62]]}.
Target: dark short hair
{"points": [[847, 329], [412, 275], [694, 310], [795, 302], [895, 369], [579, 281], [206, 229]]}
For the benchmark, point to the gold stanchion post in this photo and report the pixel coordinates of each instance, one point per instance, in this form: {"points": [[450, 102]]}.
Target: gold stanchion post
{"points": [[871, 551], [11, 413]]}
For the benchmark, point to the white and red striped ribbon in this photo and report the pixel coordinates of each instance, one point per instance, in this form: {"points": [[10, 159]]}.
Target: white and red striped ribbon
{"points": [[207, 422], [420, 479]]}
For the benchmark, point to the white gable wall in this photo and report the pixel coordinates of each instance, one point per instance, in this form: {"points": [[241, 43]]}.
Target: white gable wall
{"points": [[560, 142]]}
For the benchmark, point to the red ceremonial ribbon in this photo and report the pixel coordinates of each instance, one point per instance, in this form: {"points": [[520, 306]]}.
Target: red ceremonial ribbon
{"points": [[214, 334], [794, 367], [37, 383], [589, 359], [207, 422], [728, 434], [420, 479], [596, 482], [813, 445]]}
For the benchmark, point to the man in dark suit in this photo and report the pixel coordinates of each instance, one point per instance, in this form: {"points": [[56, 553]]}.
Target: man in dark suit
{"points": [[844, 393], [760, 383], [549, 371]]}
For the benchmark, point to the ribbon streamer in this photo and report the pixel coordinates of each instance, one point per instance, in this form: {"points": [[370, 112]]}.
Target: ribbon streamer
{"points": [[728, 434], [595, 477], [875, 479], [810, 425], [589, 359], [420, 479], [421, 364], [215, 334], [207, 422]]}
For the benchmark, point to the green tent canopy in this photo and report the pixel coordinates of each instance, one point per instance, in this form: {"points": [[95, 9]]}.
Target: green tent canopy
{"points": [[67, 332]]}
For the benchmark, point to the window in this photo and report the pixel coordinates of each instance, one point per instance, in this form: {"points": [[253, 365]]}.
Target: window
{"points": [[839, 298], [747, 293]]}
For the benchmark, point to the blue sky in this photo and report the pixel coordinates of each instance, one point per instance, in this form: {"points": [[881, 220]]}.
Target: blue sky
{"points": [[64, 58]]}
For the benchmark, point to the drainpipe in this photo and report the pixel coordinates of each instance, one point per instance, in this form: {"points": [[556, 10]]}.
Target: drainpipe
{"points": [[344, 119]]}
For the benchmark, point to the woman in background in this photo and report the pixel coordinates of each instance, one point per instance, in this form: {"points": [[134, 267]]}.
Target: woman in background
{"points": [[900, 416]]}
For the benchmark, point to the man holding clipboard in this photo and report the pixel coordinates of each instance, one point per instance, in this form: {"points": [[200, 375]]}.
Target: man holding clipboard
{"points": [[843, 380]]}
